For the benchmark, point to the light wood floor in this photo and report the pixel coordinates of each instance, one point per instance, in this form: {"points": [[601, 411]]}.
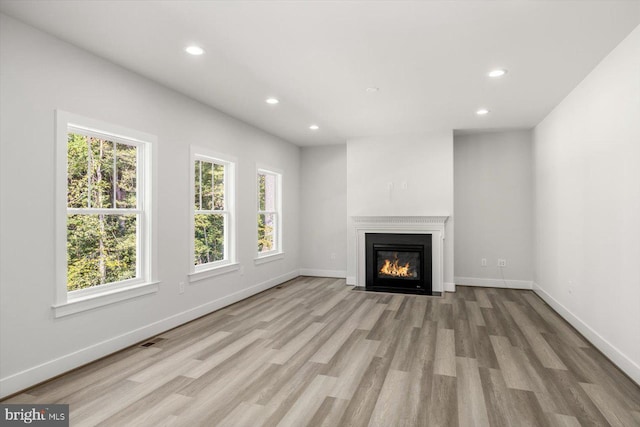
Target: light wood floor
{"points": [[314, 352]]}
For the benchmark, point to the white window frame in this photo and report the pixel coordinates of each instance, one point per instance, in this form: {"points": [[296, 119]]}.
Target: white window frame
{"points": [[278, 252], [145, 282], [229, 263]]}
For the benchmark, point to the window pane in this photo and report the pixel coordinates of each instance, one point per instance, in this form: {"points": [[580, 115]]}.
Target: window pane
{"points": [[100, 172], [266, 231], [100, 249], [218, 186], [206, 169], [126, 162], [197, 185], [261, 189], [209, 238], [270, 192], [77, 165]]}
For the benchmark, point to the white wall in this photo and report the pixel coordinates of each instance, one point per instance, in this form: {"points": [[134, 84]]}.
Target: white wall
{"points": [[401, 175], [587, 206], [323, 210], [40, 74], [493, 200]]}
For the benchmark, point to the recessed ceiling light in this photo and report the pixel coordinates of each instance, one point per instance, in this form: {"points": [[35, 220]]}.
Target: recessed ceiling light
{"points": [[194, 50], [272, 101], [314, 127], [499, 72], [373, 89], [482, 112]]}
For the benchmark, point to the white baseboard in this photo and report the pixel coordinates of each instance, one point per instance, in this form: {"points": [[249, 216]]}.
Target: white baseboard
{"points": [[340, 274], [494, 283], [621, 360], [351, 280], [29, 377], [449, 287]]}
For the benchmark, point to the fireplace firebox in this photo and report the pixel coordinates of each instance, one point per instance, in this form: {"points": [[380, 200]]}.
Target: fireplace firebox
{"points": [[398, 263]]}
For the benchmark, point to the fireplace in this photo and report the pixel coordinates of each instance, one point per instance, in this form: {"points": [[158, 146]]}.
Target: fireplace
{"points": [[398, 263]]}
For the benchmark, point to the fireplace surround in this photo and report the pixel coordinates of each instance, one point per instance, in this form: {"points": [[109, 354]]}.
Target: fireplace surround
{"points": [[433, 225]]}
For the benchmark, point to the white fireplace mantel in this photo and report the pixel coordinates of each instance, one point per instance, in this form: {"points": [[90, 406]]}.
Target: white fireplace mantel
{"points": [[434, 225]]}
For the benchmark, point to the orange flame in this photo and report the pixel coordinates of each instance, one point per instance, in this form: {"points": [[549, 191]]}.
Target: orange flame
{"points": [[393, 268]]}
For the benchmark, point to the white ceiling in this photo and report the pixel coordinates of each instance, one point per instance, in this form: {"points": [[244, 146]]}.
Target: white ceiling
{"points": [[429, 58]]}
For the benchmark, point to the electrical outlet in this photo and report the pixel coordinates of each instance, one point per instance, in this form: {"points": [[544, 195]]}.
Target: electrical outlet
{"points": [[333, 255], [502, 262], [181, 287], [483, 262]]}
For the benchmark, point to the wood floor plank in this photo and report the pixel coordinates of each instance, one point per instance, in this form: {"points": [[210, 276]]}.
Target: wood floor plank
{"points": [[568, 334], [606, 374], [387, 331], [484, 351], [214, 400], [159, 414], [371, 318], [357, 362], [151, 401], [559, 420], [279, 404], [418, 394], [515, 375], [323, 308], [218, 356], [308, 402], [577, 402], [329, 413], [314, 352], [496, 395], [177, 360], [101, 407], [472, 409], [75, 388], [614, 411], [243, 415], [418, 312], [444, 402], [396, 302], [391, 400], [445, 358], [507, 326], [333, 344], [540, 347], [426, 346], [474, 313], [464, 346], [222, 372], [405, 351], [526, 409], [294, 345], [481, 298]]}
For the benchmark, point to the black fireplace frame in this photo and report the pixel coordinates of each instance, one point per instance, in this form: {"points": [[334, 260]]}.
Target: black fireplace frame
{"points": [[421, 243]]}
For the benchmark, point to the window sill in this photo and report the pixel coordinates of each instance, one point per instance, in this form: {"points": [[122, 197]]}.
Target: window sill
{"points": [[105, 298], [263, 259], [212, 272]]}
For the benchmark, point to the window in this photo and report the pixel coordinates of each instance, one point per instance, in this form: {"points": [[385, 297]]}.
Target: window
{"points": [[269, 213], [104, 223], [213, 212]]}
